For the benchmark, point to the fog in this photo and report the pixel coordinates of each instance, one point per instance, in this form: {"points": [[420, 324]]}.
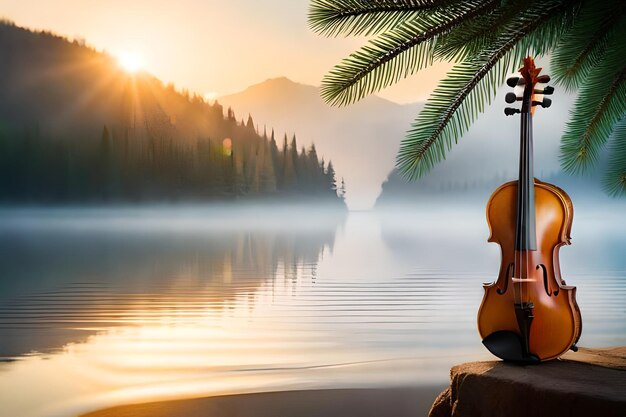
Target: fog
{"points": [[201, 300]]}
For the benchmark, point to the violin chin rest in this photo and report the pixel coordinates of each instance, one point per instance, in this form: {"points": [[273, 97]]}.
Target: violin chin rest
{"points": [[508, 346]]}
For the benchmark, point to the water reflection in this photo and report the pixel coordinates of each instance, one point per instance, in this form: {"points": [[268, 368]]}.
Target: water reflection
{"points": [[67, 274], [99, 308], [452, 241]]}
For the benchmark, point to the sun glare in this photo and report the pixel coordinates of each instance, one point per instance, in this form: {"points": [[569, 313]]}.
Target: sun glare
{"points": [[210, 96], [131, 62]]}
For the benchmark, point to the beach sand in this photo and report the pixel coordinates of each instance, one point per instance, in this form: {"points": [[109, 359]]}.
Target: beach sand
{"points": [[391, 402]]}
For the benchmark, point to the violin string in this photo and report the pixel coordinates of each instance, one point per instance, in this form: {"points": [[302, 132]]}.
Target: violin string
{"points": [[523, 183], [529, 189], [522, 242], [518, 237], [526, 201], [524, 215], [531, 184], [531, 201], [518, 243]]}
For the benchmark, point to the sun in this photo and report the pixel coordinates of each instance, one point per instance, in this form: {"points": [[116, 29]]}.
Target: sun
{"points": [[130, 62]]}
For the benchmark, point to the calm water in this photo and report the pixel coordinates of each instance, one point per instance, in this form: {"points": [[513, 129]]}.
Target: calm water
{"points": [[106, 307]]}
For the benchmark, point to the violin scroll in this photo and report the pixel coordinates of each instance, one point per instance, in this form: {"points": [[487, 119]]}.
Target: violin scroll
{"points": [[529, 79]]}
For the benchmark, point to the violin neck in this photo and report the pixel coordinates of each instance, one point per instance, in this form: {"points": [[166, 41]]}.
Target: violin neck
{"points": [[525, 236]]}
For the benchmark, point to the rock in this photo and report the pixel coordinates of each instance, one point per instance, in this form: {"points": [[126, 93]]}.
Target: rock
{"points": [[591, 382], [442, 407]]}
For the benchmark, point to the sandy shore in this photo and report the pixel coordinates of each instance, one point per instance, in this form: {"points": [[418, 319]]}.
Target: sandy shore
{"points": [[392, 402]]}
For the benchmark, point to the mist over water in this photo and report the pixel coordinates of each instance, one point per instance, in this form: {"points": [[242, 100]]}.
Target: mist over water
{"points": [[100, 307]]}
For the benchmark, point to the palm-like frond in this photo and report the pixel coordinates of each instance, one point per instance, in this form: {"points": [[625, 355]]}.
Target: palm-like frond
{"points": [[394, 54], [581, 49], [362, 17], [485, 37], [599, 106], [615, 176], [471, 37], [465, 91], [449, 112]]}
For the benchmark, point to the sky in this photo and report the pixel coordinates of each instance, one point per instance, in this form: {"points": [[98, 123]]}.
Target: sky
{"points": [[209, 47], [215, 48]]}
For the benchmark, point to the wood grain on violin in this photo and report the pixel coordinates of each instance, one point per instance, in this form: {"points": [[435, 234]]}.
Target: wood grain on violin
{"points": [[529, 314]]}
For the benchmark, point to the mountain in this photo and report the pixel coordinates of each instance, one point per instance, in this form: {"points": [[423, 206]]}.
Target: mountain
{"points": [[75, 127], [361, 139]]}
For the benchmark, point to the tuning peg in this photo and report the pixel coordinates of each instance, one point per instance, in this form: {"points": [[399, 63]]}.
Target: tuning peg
{"points": [[546, 91], [543, 79], [545, 103], [512, 82], [510, 111], [515, 81], [510, 98]]}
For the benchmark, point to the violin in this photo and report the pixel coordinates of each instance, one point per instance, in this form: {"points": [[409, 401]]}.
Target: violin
{"points": [[529, 314]]}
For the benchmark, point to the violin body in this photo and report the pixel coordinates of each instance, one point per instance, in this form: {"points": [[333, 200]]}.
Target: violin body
{"points": [[556, 321], [529, 314]]}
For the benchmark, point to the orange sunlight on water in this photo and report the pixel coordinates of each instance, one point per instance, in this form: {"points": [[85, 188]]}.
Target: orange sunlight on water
{"points": [[225, 312], [192, 348]]}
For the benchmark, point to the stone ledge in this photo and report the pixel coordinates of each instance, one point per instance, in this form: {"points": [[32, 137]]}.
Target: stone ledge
{"points": [[591, 382]]}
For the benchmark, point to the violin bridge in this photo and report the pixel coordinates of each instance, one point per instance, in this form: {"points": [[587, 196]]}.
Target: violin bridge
{"points": [[523, 279]]}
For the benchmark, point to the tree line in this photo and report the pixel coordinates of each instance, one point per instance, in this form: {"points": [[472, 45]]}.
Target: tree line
{"points": [[148, 162]]}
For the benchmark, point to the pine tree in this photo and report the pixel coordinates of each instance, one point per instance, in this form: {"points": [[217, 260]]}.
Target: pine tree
{"points": [[342, 190], [314, 172], [275, 160], [331, 181], [268, 176], [104, 168], [230, 114], [304, 177], [290, 172], [250, 123]]}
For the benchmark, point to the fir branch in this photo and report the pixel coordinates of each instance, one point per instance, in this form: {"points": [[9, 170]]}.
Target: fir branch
{"points": [[597, 26], [598, 108], [459, 98], [615, 176], [393, 55], [362, 17], [473, 36]]}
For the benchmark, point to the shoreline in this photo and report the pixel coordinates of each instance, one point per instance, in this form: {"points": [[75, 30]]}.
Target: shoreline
{"points": [[363, 402]]}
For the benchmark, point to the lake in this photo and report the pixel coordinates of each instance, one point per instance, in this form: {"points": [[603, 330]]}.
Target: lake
{"points": [[100, 307]]}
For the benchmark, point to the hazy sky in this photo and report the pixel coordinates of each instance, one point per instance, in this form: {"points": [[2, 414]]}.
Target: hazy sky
{"points": [[206, 46]]}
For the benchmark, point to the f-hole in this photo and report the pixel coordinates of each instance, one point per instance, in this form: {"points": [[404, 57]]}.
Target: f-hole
{"points": [[510, 270], [545, 281]]}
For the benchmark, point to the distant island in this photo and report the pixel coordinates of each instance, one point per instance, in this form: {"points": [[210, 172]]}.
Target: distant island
{"points": [[397, 191], [76, 128]]}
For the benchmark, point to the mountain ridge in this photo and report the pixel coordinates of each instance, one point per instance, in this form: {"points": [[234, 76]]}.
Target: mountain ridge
{"points": [[287, 83], [361, 139]]}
